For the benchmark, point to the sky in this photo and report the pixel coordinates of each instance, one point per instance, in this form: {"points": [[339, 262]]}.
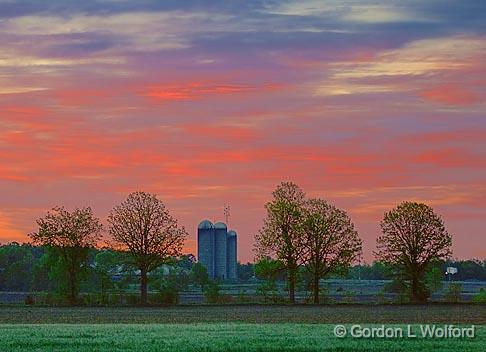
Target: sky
{"points": [[206, 103]]}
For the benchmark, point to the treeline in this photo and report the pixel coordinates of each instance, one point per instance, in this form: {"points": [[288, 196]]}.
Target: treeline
{"points": [[28, 268], [300, 238], [468, 270]]}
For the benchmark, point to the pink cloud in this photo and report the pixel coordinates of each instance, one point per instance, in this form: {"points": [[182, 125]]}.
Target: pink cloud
{"points": [[451, 94], [198, 90]]}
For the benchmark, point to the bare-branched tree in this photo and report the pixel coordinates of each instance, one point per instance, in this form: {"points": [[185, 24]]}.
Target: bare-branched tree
{"points": [[72, 234], [413, 237], [143, 226], [332, 243]]}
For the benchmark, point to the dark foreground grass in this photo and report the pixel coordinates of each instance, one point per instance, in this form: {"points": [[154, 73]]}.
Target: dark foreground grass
{"points": [[409, 314], [212, 337], [229, 328]]}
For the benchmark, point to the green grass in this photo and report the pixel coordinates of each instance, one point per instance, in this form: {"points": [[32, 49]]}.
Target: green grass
{"points": [[229, 328], [211, 337]]}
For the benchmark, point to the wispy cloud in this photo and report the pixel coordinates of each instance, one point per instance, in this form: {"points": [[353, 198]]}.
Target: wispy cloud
{"points": [[136, 31], [413, 68], [366, 12]]}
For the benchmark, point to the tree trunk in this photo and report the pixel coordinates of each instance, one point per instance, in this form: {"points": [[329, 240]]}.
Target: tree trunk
{"points": [[72, 290], [417, 295], [418, 292], [143, 286], [413, 290], [316, 287], [72, 295], [291, 278]]}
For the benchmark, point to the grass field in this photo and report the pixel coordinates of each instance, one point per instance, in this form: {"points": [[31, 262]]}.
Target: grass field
{"points": [[229, 328], [211, 337]]}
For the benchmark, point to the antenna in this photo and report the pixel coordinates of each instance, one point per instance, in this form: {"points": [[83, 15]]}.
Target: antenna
{"points": [[227, 215]]}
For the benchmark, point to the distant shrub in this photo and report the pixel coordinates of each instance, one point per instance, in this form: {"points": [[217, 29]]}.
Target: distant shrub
{"points": [[380, 298], [402, 298], [165, 296], [328, 300], [268, 290], [114, 299], [278, 298], [324, 295], [400, 288], [89, 299], [453, 293], [103, 299], [243, 297], [42, 298], [226, 299], [396, 286], [132, 299], [29, 300], [211, 292], [85, 299], [480, 298], [433, 279], [349, 297], [50, 299]]}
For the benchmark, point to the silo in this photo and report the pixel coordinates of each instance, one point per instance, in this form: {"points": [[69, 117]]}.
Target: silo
{"points": [[220, 234], [205, 246], [231, 254]]}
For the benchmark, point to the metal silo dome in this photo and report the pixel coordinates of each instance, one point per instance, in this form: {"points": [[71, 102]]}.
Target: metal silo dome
{"points": [[205, 224], [220, 225], [231, 233], [205, 246]]}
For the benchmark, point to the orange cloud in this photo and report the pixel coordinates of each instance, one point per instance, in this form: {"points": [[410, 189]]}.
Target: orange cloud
{"points": [[11, 175], [451, 94], [9, 232], [198, 90]]}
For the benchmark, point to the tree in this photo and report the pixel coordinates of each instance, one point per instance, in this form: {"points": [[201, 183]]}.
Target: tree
{"points": [[376, 271], [269, 271], [281, 234], [16, 267], [331, 241], [245, 271], [186, 262], [413, 238], [434, 278], [142, 225], [71, 234], [106, 263], [199, 275]]}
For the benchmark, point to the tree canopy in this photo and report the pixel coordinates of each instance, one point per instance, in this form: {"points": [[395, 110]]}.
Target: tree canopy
{"points": [[72, 234], [281, 233], [330, 239], [413, 237], [142, 225]]}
